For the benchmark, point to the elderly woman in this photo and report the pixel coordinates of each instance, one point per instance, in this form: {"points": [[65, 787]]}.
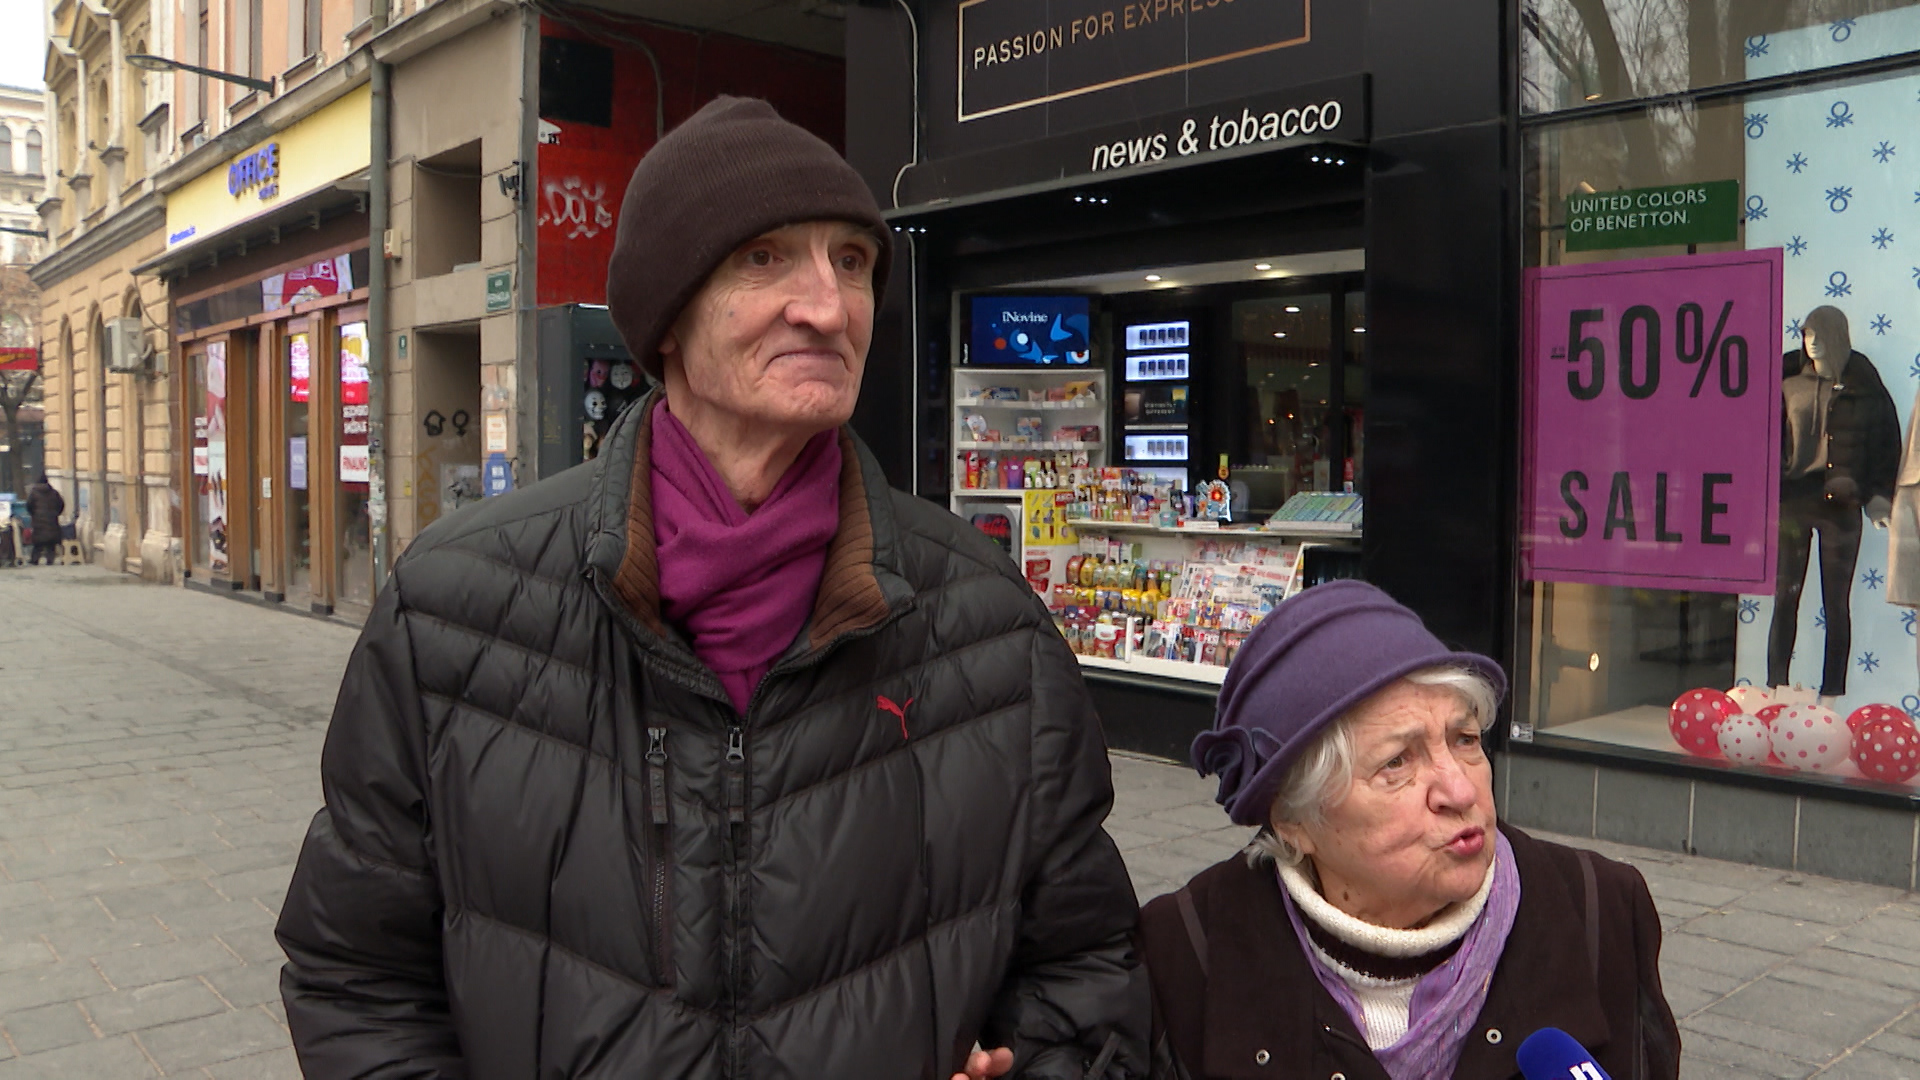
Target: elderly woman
{"points": [[1382, 923]]}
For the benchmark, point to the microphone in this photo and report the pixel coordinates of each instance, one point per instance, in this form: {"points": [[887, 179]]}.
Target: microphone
{"points": [[1552, 1054]]}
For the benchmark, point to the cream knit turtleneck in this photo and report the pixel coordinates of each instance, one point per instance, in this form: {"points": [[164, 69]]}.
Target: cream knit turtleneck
{"points": [[1385, 1003]]}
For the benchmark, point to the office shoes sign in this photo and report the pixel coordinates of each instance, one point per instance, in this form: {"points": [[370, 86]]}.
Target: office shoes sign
{"points": [[1015, 54]]}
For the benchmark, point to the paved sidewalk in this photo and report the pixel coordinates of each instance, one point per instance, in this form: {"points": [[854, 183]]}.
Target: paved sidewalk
{"points": [[158, 764]]}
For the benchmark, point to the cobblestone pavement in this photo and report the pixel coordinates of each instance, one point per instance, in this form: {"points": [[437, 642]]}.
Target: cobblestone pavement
{"points": [[158, 764]]}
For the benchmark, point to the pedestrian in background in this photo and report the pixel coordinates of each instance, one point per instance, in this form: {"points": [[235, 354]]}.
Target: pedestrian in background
{"points": [[1383, 925], [716, 757], [44, 507]]}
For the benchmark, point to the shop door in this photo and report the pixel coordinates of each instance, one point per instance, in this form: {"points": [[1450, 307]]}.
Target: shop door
{"points": [[353, 536], [296, 507], [222, 538], [207, 404]]}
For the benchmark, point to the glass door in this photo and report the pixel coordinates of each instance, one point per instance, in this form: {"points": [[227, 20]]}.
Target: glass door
{"points": [[355, 523], [210, 460], [297, 504]]}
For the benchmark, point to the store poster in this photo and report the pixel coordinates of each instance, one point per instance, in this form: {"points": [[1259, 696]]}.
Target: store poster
{"points": [[215, 482], [1653, 422], [1831, 181], [299, 368], [355, 464], [314, 281]]}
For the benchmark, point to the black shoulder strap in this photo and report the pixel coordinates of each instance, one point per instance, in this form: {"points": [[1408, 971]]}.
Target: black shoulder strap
{"points": [[1197, 936]]}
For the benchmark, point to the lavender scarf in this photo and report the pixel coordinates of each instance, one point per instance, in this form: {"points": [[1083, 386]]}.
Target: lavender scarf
{"points": [[1446, 1000]]}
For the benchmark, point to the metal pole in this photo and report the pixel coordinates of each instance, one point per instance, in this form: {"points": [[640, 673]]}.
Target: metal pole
{"points": [[378, 216]]}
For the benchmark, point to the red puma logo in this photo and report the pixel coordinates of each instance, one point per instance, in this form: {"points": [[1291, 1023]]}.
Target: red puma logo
{"points": [[887, 705]]}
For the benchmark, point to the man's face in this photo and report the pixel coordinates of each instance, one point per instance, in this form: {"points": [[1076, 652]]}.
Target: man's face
{"points": [[778, 335]]}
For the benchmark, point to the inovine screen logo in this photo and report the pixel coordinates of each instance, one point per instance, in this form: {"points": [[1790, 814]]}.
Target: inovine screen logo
{"points": [[1030, 330]]}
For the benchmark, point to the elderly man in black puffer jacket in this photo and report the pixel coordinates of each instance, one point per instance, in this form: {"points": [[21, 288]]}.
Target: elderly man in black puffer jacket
{"points": [[582, 821]]}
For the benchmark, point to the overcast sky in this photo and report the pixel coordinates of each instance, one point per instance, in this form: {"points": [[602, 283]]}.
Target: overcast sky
{"points": [[23, 43]]}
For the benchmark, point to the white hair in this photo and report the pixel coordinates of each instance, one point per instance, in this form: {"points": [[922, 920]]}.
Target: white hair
{"points": [[1321, 777]]}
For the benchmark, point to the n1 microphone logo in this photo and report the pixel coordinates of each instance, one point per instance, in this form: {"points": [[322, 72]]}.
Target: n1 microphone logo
{"points": [[1586, 1070]]}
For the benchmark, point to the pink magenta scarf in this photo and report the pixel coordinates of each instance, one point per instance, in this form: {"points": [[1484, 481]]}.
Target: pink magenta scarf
{"points": [[740, 585], [1446, 1000]]}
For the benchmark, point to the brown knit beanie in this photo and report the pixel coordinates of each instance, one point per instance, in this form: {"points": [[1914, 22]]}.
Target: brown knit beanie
{"points": [[732, 171]]}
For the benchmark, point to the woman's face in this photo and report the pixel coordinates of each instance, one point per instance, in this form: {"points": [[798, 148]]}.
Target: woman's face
{"points": [[1415, 830]]}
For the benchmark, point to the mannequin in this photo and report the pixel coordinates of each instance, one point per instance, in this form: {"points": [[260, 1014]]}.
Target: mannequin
{"points": [[1839, 455], [1903, 541]]}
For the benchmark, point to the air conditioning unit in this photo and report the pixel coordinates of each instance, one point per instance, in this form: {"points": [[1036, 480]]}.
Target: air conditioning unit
{"points": [[126, 345]]}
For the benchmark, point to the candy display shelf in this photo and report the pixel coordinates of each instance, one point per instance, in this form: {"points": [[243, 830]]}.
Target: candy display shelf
{"points": [[1192, 528], [1165, 669]]}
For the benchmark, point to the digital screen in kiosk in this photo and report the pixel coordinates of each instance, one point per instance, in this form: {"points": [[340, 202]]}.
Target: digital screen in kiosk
{"points": [[1030, 331]]}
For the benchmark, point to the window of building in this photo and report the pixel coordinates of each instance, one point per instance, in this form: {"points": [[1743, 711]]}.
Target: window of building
{"points": [[6, 148], [33, 152], [255, 39], [202, 55], [1721, 514], [1581, 52], [446, 211]]}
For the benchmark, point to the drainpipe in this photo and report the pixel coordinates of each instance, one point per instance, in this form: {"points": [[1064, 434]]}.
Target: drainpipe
{"points": [[378, 217], [526, 396]]}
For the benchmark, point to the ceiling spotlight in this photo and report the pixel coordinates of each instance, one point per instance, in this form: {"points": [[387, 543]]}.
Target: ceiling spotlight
{"points": [[1359, 329], [1293, 309], [1263, 266], [1279, 333], [1153, 277], [1342, 161], [1313, 363], [1315, 158]]}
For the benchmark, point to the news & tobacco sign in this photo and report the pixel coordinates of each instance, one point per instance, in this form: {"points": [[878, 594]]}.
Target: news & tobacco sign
{"points": [[1652, 422]]}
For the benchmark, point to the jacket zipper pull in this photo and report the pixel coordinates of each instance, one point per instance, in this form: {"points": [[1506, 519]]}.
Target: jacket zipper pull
{"points": [[736, 776], [657, 773]]}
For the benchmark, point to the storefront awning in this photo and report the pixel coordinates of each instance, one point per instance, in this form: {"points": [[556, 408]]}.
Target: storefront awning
{"points": [[347, 195]]}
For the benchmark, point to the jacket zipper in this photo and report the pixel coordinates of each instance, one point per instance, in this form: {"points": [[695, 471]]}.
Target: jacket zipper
{"points": [[737, 842], [662, 838]]}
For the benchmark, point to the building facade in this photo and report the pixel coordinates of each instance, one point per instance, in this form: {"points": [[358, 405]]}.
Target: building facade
{"points": [[108, 439], [343, 274], [23, 176]]}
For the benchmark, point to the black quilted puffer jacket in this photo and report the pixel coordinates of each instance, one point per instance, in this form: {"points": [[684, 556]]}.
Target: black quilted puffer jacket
{"points": [[551, 848]]}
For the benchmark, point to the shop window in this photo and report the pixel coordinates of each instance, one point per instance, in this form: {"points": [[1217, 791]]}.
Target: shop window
{"points": [[1723, 511], [446, 211], [1165, 454], [1579, 52]]}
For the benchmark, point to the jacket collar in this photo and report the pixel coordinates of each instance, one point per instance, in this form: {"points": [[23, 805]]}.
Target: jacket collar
{"points": [[1266, 996], [861, 585]]}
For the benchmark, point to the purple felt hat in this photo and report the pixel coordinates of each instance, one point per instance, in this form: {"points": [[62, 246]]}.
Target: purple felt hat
{"points": [[1318, 655]]}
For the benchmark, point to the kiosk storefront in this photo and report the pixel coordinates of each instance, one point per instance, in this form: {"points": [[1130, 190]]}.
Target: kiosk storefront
{"points": [[1180, 337], [267, 264]]}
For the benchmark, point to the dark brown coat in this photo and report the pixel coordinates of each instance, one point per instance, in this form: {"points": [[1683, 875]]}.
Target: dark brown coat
{"points": [[44, 507], [1254, 1008]]}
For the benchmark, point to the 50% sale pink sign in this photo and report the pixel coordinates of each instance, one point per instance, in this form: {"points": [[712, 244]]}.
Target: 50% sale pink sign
{"points": [[1651, 432]]}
